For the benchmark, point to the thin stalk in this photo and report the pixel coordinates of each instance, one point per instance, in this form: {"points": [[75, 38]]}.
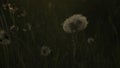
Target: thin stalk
{"points": [[74, 49]]}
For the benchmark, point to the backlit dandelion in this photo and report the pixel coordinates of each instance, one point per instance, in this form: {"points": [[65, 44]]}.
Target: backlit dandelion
{"points": [[14, 28], [4, 40], [91, 40], [45, 51], [2, 32], [75, 23]]}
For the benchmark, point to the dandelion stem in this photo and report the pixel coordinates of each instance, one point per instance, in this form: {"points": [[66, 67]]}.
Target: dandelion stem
{"points": [[74, 49]]}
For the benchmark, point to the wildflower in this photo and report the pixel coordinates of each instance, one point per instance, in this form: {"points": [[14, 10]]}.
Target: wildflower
{"points": [[45, 51], [4, 40], [91, 40], [75, 23], [2, 33], [14, 28]]}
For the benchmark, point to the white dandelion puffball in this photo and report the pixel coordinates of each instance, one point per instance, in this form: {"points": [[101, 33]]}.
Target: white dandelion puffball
{"points": [[45, 51], [75, 23]]}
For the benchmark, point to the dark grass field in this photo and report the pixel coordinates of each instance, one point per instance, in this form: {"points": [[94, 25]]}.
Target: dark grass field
{"points": [[36, 39]]}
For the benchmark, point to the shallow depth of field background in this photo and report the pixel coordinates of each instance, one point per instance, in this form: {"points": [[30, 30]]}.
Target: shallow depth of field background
{"points": [[38, 24]]}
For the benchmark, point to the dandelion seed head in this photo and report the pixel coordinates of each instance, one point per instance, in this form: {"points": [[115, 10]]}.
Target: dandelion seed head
{"points": [[45, 51], [75, 23], [4, 38], [14, 28], [5, 41], [2, 32], [91, 40]]}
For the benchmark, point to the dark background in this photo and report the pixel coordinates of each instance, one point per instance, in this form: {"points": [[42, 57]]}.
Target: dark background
{"points": [[46, 18]]}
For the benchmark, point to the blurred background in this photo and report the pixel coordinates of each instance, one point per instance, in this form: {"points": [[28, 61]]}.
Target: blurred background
{"points": [[32, 35]]}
